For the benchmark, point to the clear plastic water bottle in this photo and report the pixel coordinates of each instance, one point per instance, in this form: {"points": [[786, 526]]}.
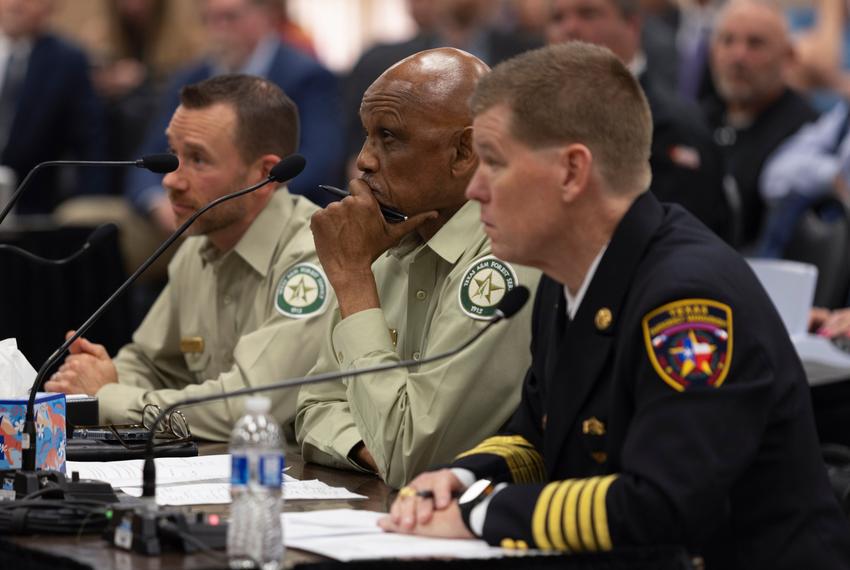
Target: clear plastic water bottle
{"points": [[254, 535]]}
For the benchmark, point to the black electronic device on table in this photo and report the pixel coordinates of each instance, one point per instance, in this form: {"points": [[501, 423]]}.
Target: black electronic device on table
{"points": [[129, 434]]}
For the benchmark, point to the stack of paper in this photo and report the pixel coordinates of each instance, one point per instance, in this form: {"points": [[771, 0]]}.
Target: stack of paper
{"points": [[330, 533], [169, 470], [202, 480]]}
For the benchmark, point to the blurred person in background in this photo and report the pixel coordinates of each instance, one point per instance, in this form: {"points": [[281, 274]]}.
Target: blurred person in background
{"points": [[822, 47], [527, 17], [815, 162], [809, 166], [687, 167], [690, 23], [242, 38], [754, 110], [290, 32], [469, 25], [135, 47], [48, 107]]}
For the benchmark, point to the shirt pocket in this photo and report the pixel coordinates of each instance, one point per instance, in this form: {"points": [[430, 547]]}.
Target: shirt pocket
{"points": [[197, 363]]}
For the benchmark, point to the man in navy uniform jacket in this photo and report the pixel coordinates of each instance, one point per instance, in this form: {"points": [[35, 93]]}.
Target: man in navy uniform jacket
{"points": [[665, 403]]}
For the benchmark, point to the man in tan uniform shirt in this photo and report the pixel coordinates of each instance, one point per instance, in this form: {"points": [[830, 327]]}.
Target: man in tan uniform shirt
{"points": [[434, 288], [246, 300]]}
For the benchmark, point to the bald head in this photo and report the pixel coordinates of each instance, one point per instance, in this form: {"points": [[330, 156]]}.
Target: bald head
{"points": [[766, 12], [749, 52], [418, 152], [438, 82]]}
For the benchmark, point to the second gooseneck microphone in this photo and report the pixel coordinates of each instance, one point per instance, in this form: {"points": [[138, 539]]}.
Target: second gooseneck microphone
{"points": [[159, 163], [286, 169]]}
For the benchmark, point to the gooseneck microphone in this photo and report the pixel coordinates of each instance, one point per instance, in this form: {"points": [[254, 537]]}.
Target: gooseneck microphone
{"points": [[159, 163], [99, 233], [510, 305], [286, 169]]}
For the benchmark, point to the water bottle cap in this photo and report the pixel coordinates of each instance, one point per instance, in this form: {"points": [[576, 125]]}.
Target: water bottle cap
{"points": [[257, 405]]}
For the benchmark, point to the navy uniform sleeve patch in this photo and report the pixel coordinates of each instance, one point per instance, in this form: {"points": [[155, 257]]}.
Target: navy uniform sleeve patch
{"points": [[483, 285], [689, 342], [302, 291]]}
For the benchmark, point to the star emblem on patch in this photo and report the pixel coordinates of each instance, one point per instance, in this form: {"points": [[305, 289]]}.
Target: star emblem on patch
{"points": [[689, 343], [302, 291], [484, 284]]}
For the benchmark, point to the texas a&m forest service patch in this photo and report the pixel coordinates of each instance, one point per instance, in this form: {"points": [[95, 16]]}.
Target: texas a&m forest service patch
{"points": [[484, 284], [302, 291]]}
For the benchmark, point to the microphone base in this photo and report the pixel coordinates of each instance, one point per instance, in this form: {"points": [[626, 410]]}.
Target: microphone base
{"points": [[153, 532], [23, 482]]}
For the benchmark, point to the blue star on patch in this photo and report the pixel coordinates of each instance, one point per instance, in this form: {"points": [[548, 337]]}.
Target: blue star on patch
{"points": [[689, 342]]}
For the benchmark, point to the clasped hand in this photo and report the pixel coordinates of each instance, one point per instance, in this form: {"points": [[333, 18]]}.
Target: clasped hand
{"points": [[438, 516], [86, 370]]}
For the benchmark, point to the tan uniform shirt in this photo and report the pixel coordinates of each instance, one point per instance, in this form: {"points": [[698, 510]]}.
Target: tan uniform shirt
{"points": [[220, 324], [410, 419]]}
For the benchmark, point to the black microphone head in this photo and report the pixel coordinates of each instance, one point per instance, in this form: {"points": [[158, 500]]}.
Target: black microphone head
{"points": [[512, 302], [160, 163], [288, 168], [100, 232]]}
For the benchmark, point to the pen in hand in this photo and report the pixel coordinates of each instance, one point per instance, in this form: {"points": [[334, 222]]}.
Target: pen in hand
{"points": [[390, 215], [429, 494]]}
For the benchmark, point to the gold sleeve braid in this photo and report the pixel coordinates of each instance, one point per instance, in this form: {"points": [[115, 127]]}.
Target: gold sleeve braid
{"points": [[571, 515], [523, 460]]}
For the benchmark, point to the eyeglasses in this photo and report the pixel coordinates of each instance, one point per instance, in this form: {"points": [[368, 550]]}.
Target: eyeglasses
{"points": [[174, 424], [173, 429]]}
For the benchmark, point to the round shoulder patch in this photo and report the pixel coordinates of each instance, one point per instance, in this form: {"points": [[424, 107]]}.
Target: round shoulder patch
{"points": [[302, 291], [484, 284], [689, 343]]}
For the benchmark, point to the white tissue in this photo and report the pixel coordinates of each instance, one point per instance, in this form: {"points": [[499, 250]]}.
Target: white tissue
{"points": [[16, 373]]}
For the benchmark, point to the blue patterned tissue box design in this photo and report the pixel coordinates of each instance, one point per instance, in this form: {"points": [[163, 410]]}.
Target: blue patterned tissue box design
{"points": [[50, 431]]}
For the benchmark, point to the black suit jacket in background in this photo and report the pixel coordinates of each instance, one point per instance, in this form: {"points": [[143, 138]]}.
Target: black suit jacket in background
{"points": [[58, 116], [746, 150], [687, 165]]}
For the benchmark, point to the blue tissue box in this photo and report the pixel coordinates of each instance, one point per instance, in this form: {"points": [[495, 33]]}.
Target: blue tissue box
{"points": [[50, 412]]}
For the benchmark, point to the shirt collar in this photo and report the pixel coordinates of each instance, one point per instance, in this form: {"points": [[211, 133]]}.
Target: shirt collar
{"points": [[637, 65], [259, 62], [259, 243], [448, 242], [573, 302], [21, 48]]}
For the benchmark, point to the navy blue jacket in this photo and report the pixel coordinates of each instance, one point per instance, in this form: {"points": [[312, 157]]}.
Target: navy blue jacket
{"points": [[313, 89], [58, 116], [673, 410]]}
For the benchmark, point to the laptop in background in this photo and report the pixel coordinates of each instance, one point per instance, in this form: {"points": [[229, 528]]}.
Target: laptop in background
{"points": [[791, 287]]}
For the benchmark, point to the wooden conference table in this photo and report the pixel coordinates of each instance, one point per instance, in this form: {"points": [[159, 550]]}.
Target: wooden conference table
{"points": [[95, 552]]}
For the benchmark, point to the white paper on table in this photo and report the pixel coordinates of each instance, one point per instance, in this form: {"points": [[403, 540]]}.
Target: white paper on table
{"points": [[188, 494], [315, 489], [330, 533], [329, 522], [128, 473], [218, 493]]}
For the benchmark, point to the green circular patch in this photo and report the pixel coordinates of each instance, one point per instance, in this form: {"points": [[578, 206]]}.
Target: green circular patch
{"points": [[483, 285], [302, 291]]}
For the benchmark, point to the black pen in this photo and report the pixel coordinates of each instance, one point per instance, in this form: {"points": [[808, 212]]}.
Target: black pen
{"points": [[429, 494], [390, 215]]}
